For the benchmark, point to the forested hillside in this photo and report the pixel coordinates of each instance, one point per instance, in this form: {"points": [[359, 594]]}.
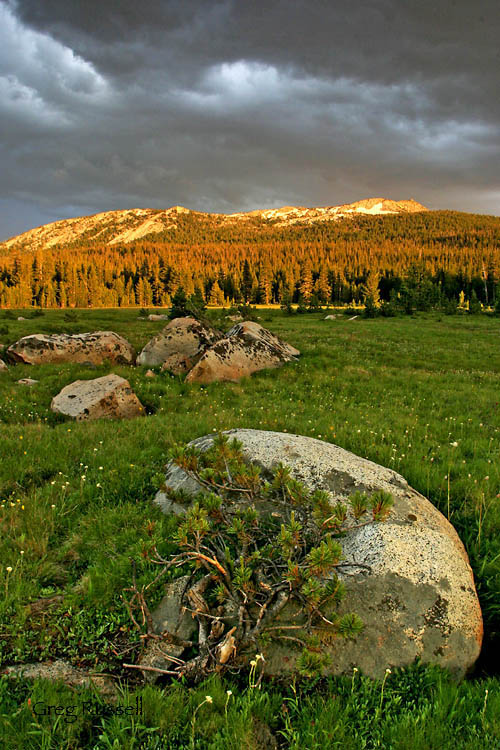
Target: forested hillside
{"points": [[262, 261]]}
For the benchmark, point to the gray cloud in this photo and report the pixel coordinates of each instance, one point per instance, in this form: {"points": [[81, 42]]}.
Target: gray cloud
{"points": [[228, 106]]}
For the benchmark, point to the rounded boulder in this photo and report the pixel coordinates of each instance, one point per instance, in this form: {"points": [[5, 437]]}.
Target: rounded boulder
{"points": [[408, 577]]}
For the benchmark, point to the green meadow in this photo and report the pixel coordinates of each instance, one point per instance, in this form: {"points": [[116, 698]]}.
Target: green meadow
{"points": [[419, 394]]}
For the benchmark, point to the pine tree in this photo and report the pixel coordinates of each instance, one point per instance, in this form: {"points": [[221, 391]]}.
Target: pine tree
{"points": [[370, 289], [179, 305], [246, 282], [322, 286], [306, 282], [216, 298], [474, 304], [265, 278]]}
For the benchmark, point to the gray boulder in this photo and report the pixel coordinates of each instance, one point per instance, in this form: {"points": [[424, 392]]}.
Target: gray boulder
{"points": [[247, 347], [109, 397], [94, 348], [172, 624], [408, 578], [185, 337]]}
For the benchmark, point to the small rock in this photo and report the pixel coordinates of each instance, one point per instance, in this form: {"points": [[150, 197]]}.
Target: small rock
{"points": [[61, 670], [3, 366], [354, 317], [21, 318], [149, 374], [109, 397], [330, 317], [27, 381], [157, 317]]}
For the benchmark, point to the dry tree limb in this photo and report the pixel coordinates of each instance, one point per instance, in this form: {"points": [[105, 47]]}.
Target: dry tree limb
{"points": [[211, 561]]}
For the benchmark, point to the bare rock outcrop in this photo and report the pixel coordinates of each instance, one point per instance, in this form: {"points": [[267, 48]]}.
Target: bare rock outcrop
{"points": [[93, 348], [247, 347], [185, 337], [408, 578], [109, 397]]}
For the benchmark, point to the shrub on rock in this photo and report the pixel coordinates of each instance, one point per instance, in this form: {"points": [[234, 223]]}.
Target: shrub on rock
{"points": [[408, 579]]}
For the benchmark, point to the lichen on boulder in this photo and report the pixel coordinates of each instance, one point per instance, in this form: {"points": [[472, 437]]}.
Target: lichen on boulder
{"points": [[94, 348], [109, 397], [246, 348], [182, 337]]}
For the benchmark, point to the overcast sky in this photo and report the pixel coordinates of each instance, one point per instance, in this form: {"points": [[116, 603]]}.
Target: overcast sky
{"points": [[242, 104]]}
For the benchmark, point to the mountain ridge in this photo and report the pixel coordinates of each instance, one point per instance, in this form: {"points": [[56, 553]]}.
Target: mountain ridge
{"points": [[128, 225]]}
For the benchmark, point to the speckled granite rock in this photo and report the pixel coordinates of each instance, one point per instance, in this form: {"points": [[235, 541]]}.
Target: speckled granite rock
{"points": [[186, 337], [418, 597], [109, 397], [96, 347], [247, 347]]}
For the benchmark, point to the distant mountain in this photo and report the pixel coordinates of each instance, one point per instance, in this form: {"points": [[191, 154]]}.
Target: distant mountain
{"points": [[331, 254], [128, 226]]}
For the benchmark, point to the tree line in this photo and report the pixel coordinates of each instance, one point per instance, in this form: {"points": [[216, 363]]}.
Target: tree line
{"points": [[442, 254]]}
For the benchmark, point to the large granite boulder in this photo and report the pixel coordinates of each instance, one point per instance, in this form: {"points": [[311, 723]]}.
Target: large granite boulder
{"points": [[413, 589], [93, 348], [247, 347], [182, 337], [109, 397]]}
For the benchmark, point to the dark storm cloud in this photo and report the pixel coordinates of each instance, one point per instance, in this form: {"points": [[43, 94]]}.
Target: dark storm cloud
{"points": [[236, 105]]}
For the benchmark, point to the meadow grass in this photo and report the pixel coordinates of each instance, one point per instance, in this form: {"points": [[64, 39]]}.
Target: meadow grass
{"points": [[417, 394]]}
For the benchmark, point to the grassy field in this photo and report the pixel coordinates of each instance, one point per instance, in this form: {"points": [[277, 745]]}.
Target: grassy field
{"points": [[419, 394]]}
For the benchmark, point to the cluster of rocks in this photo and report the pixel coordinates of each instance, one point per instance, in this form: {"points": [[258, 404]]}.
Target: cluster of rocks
{"points": [[187, 346], [184, 346], [408, 578]]}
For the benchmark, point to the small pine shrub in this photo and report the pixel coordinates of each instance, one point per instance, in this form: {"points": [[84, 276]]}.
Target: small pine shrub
{"points": [[251, 547]]}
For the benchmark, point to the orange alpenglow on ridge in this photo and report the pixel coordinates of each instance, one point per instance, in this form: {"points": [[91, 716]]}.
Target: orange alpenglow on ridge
{"points": [[128, 226]]}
